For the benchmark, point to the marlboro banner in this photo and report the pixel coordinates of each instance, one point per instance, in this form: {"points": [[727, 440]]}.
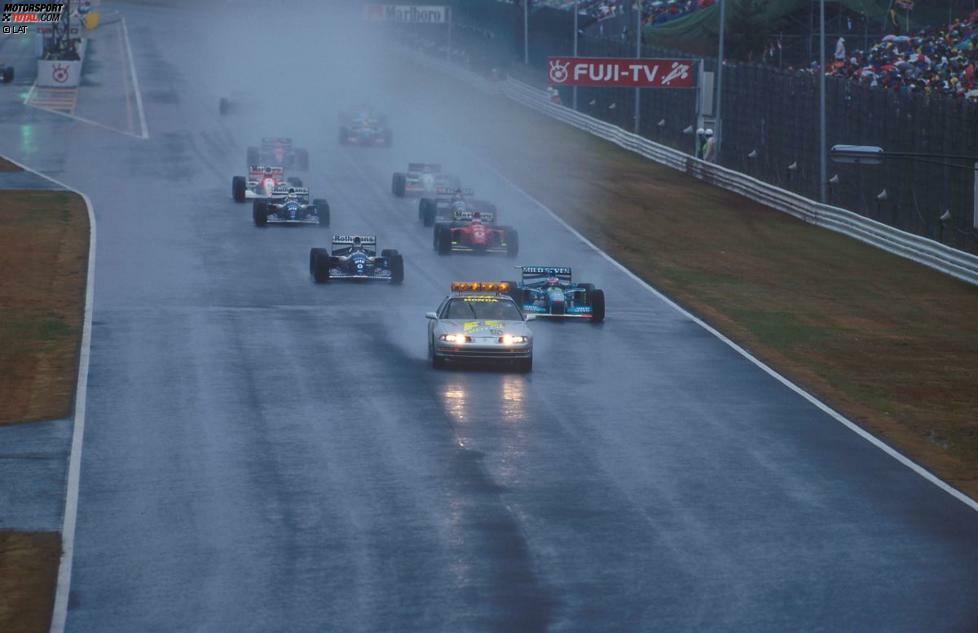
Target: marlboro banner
{"points": [[622, 72], [407, 13]]}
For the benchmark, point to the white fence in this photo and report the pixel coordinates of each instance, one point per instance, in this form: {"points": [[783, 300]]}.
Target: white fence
{"points": [[948, 260]]}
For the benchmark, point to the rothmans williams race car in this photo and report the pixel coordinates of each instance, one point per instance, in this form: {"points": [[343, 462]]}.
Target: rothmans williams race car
{"points": [[279, 152], [446, 201], [290, 205], [479, 321], [548, 292], [260, 183], [474, 232], [365, 128], [355, 257], [422, 179]]}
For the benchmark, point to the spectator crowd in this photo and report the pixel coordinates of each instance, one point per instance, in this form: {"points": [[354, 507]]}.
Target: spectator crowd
{"points": [[934, 61]]}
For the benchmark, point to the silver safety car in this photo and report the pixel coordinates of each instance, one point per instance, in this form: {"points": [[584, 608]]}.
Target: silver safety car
{"points": [[479, 321]]}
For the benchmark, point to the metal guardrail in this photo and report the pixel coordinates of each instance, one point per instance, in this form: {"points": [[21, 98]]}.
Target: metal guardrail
{"points": [[963, 266]]}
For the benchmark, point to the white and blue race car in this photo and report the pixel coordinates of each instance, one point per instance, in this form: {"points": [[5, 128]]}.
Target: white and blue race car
{"points": [[549, 292]]}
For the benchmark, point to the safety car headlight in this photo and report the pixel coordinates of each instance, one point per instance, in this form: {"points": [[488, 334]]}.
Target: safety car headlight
{"points": [[509, 339], [453, 338]]}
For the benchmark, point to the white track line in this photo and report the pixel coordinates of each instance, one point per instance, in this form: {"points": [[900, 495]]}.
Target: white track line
{"points": [[135, 82], [60, 613], [852, 426]]}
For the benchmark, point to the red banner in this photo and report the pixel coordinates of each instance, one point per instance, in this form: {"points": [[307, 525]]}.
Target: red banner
{"points": [[622, 72]]}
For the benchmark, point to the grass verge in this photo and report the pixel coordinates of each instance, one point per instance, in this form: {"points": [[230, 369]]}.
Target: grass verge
{"points": [[43, 253], [29, 566], [891, 344]]}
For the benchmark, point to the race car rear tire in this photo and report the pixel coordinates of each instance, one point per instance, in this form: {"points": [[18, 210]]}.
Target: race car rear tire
{"points": [[253, 156], [294, 181], [443, 239], [426, 211], [525, 365], [512, 242], [388, 253], [259, 213], [301, 160], [397, 269], [314, 254], [238, 187], [596, 297], [322, 209], [320, 268], [8, 74], [398, 183], [587, 287]]}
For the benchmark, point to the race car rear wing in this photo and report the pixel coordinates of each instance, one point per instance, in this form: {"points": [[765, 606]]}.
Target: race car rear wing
{"points": [[268, 142], [540, 274], [442, 190], [343, 244], [488, 217], [257, 171], [424, 168]]}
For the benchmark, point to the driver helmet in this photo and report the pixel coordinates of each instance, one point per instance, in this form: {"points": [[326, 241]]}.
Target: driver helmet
{"points": [[477, 216], [291, 191], [552, 280], [268, 171], [457, 194], [356, 244]]}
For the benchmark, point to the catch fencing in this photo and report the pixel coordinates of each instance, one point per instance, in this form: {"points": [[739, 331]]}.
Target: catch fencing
{"points": [[925, 251]]}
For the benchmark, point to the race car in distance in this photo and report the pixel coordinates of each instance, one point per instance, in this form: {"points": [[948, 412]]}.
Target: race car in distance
{"points": [[421, 179], [6, 73], [279, 152], [260, 183], [355, 257], [479, 321], [549, 292], [290, 205], [447, 200], [474, 232], [364, 127]]}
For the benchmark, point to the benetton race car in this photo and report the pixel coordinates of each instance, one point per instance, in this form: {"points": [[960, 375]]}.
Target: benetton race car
{"points": [[448, 200], [279, 152], [260, 183], [480, 321], [548, 291], [290, 205], [421, 179], [473, 232], [355, 257], [365, 128]]}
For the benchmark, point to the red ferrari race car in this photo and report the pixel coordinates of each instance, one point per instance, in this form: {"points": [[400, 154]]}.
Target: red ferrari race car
{"points": [[474, 232]]}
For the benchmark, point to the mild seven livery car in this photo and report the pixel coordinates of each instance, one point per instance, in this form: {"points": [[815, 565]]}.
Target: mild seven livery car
{"points": [[260, 183], [422, 179], [355, 257], [479, 321], [290, 205], [547, 291], [279, 152], [365, 128]]}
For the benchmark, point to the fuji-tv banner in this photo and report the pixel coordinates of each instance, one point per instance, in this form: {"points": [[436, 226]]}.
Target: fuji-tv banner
{"points": [[622, 72], [407, 13]]}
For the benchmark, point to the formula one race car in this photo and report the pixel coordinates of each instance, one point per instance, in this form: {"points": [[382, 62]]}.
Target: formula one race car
{"points": [[421, 179], [355, 257], [290, 205], [448, 200], [474, 232], [548, 292], [6, 73], [260, 183], [479, 321], [279, 152], [364, 127]]}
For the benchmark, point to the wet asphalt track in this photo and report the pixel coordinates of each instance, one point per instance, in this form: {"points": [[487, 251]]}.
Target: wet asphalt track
{"points": [[265, 454]]}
